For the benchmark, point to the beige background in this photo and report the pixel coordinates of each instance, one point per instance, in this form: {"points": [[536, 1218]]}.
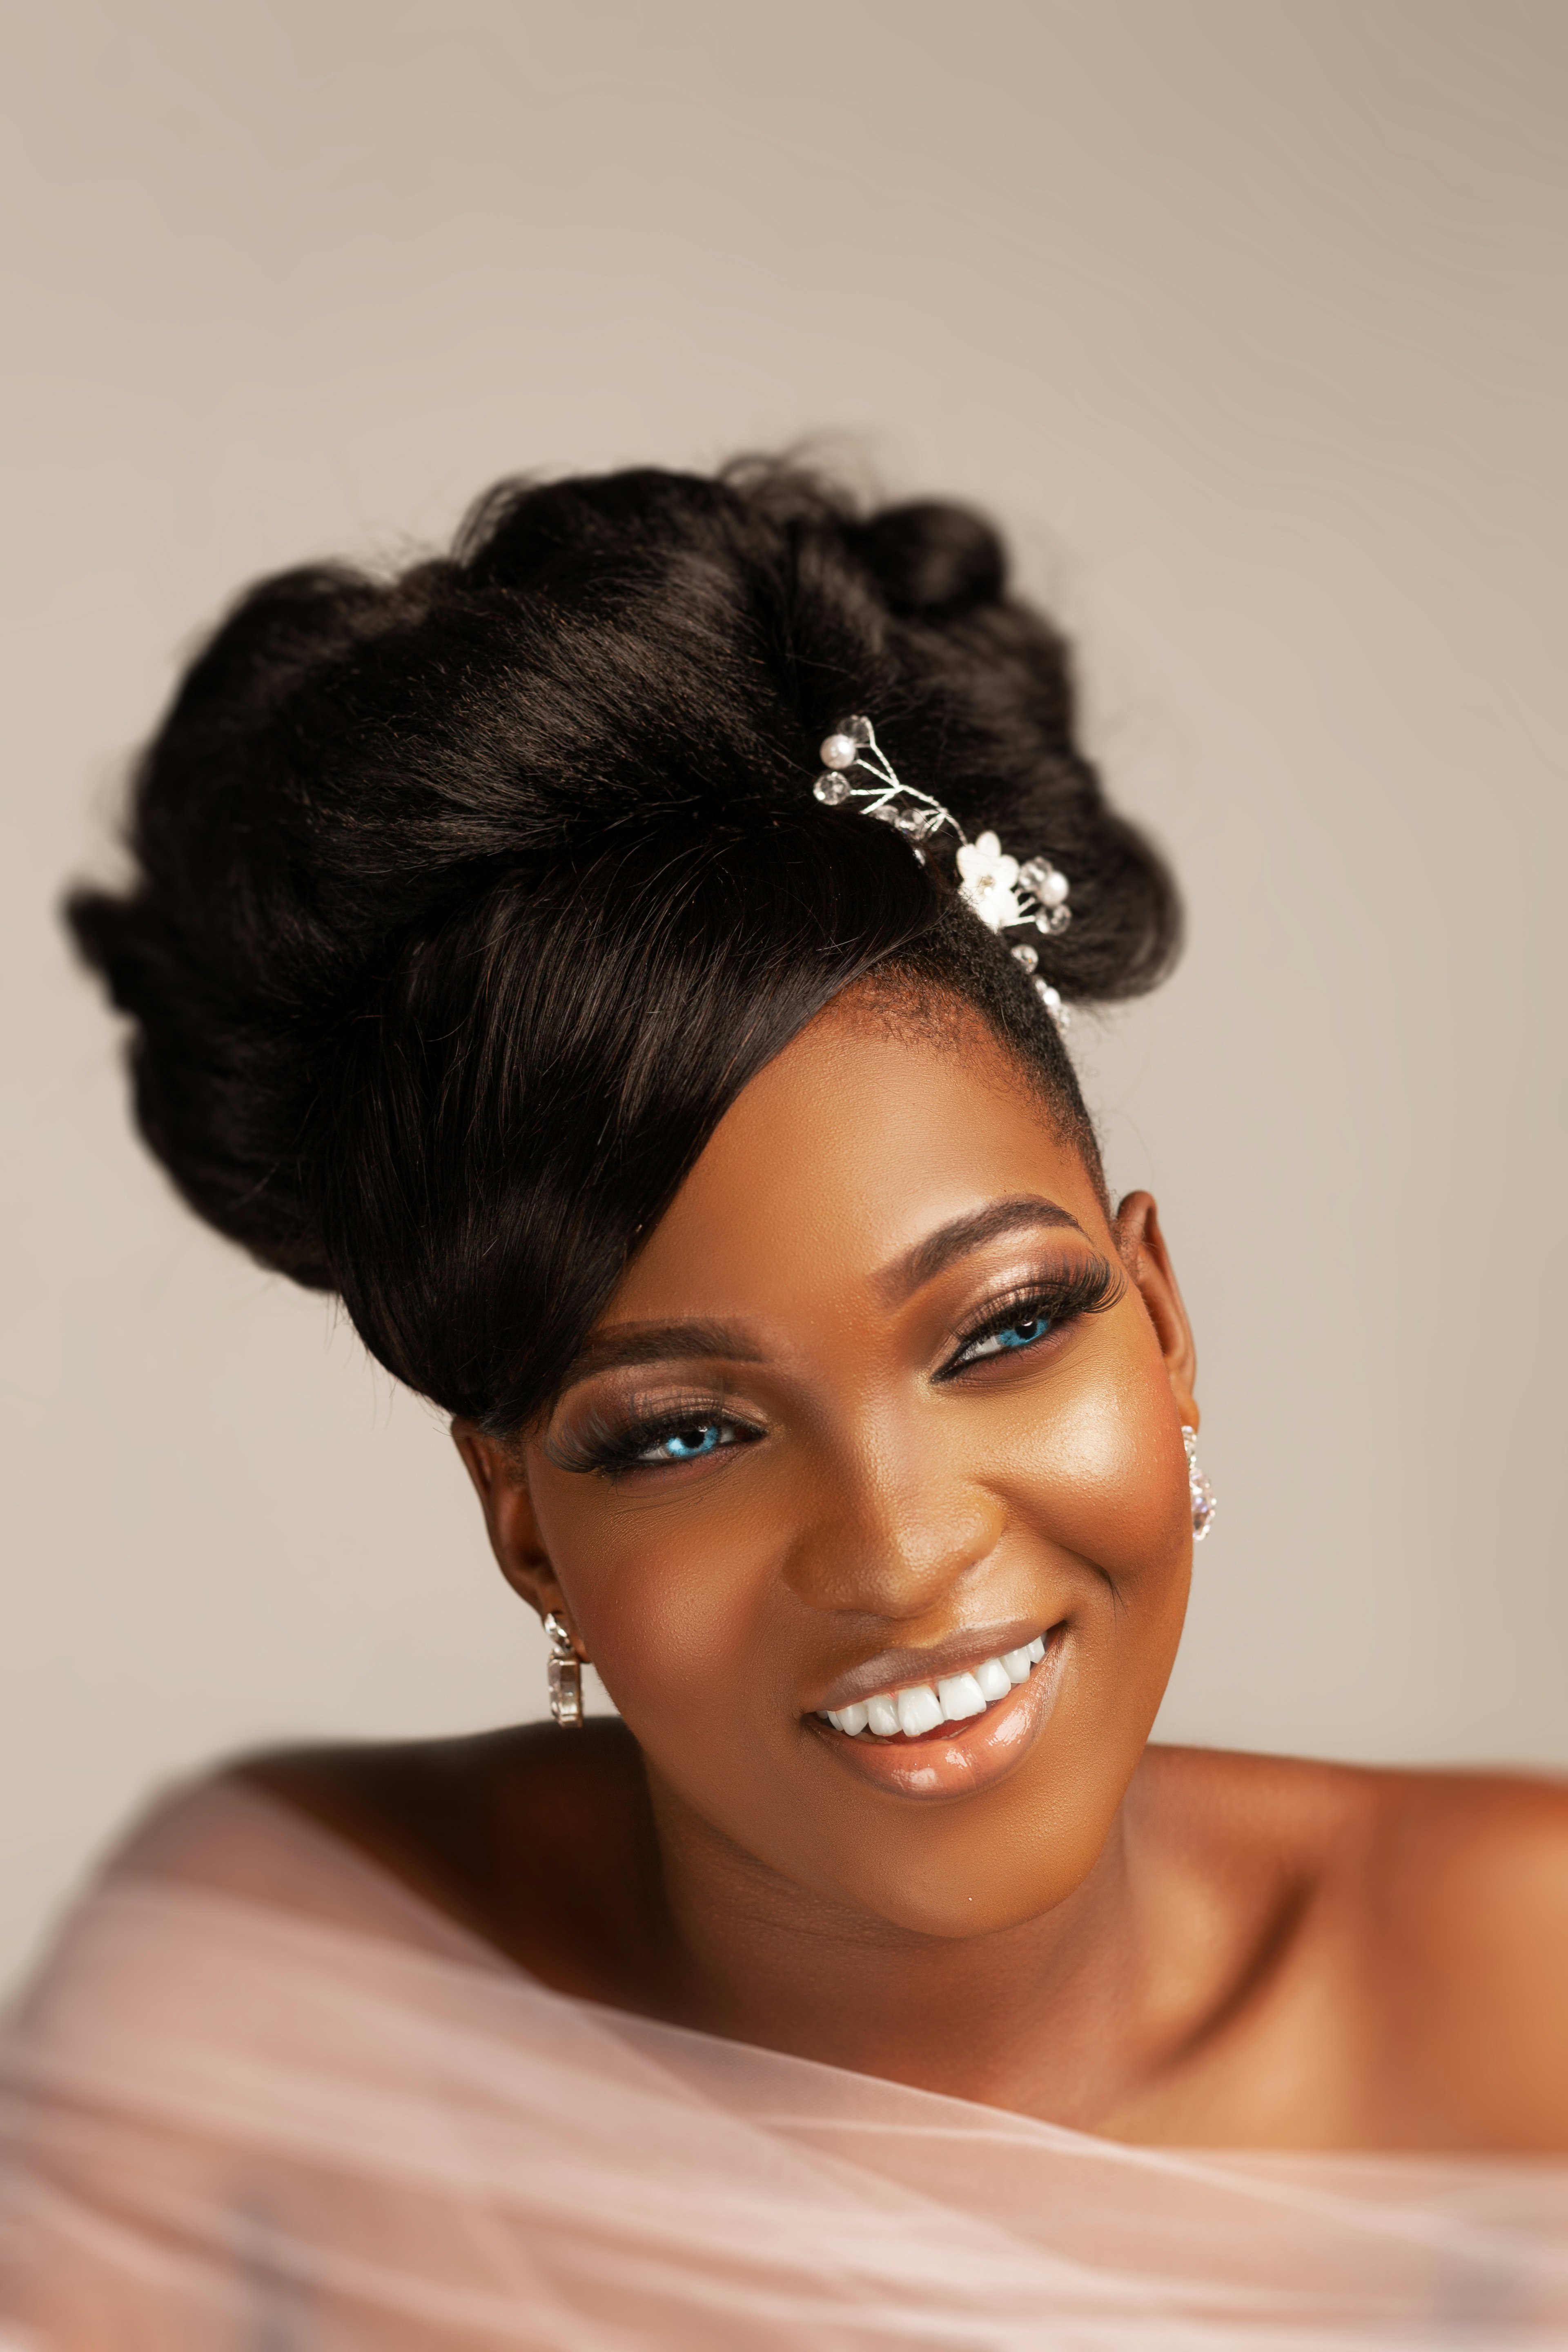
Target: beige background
{"points": [[1247, 315]]}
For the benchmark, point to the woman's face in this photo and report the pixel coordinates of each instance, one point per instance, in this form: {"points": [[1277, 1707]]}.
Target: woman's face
{"points": [[883, 1401]]}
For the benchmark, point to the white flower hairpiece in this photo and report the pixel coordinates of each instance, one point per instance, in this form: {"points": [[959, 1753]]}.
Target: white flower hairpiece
{"points": [[1001, 891]]}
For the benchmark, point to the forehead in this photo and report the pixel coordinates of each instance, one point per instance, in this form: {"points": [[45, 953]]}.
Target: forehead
{"points": [[866, 1134]]}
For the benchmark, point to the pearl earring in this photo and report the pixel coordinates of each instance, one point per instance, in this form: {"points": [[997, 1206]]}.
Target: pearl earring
{"points": [[565, 1674], [1198, 1488]]}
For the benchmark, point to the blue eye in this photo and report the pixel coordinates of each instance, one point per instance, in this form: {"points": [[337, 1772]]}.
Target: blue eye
{"points": [[1026, 1333], [686, 1444]]}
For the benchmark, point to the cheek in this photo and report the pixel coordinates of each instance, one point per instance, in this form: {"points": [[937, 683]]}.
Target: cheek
{"points": [[1104, 1478], [670, 1602], [1104, 1473]]}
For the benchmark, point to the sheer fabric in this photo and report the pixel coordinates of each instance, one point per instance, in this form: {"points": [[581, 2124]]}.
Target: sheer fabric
{"points": [[228, 2123]]}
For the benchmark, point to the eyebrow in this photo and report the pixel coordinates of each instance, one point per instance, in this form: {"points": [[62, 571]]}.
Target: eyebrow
{"points": [[1021, 1213], [661, 1343], [626, 1344]]}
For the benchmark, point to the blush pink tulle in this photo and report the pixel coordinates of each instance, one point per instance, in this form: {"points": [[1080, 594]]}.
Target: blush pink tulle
{"points": [[236, 2123]]}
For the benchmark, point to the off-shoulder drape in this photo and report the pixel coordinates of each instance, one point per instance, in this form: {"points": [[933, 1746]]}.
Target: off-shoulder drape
{"points": [[228, 2125]]}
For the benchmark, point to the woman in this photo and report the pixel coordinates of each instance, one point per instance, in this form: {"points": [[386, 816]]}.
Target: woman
{"points": [[701, 1137]]}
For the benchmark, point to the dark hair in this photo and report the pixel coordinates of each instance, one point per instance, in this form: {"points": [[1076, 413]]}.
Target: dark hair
{"points": [[467, 901]]}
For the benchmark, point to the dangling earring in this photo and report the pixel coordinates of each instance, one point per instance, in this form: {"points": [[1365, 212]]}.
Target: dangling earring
{"points": [[565, 1673], [1198, 1488]]}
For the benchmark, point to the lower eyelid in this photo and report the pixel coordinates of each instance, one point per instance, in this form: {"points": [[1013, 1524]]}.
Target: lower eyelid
{"points": [[987, 1349]]}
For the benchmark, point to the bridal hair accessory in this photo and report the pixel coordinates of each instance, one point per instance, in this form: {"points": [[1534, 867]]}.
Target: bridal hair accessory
{"points": [[1000, 890], [565, 1674], [1198, 1488]]}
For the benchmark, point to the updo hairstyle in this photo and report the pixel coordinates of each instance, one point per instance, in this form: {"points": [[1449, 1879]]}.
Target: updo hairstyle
{"points": [[467, 901]]}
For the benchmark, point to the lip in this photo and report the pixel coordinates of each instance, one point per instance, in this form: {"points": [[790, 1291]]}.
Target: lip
{"points": [[897, 1669], [959, 1759]]}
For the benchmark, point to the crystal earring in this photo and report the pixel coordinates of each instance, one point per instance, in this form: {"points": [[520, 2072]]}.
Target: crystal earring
{"points": [[565, 1673], [1198, 1488]]}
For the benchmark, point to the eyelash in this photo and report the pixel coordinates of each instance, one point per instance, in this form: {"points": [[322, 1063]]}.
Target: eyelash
{"points": [[1088, 1289], [613, 1446]]}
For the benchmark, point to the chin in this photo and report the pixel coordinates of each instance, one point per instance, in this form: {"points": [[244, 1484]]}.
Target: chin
{"points": [[963, 1871], [949, 1911]]}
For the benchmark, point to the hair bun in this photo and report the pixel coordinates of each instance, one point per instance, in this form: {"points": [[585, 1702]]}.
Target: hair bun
{"points": [[466, 901], [932, 558]]}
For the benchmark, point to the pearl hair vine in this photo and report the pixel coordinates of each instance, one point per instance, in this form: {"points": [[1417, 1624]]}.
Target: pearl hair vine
{"points": [[1002, 892]]}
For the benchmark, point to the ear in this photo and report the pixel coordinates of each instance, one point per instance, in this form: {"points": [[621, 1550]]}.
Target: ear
{"points": [[1148, 1261], [514, 1534]]}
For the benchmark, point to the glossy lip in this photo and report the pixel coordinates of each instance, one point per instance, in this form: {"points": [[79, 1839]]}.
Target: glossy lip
{"points": [[893, 1670], [961, 1758]]}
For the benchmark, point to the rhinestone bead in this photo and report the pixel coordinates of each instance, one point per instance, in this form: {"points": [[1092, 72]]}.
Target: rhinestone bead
{"points": [[911, 823], [1041, 879], [839, 752], [1052, 1001], [831, 790], [1026, 955], [1054, 919], [1202, 1493], [884, 814], [858, 729]]}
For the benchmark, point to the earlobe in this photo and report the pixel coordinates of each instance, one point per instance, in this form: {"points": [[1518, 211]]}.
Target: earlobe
{"points": [[508, 1518], [1148, 1262]]}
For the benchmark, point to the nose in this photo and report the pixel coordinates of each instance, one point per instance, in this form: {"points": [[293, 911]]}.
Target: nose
{"points": [[892, 1538]]}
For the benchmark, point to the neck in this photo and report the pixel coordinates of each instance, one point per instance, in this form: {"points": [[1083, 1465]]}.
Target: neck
{"points": [[1043, 2015]]}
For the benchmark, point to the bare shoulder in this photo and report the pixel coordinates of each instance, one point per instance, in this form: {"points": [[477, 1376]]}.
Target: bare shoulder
{"points": [[1273, 1820], [1462, 1885], [539, 1845], [1405, 1841], [295, 1831], [502, 1837], [532, 1844], [1423, 1913]]}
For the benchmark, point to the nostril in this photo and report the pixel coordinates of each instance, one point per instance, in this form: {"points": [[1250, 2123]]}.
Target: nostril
{"points": [[890, 1564]]}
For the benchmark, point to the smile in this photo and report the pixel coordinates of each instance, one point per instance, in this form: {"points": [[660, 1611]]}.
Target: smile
{"points": [[916, 1709]]}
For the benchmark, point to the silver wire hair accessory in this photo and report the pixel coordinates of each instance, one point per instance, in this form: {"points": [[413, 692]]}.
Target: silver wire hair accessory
{"points": [[1198, 1488], [1002, 892], [565, 1674]]}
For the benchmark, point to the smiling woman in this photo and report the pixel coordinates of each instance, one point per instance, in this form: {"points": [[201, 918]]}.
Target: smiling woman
{"points": [[709, 1151], [876, 1500]]}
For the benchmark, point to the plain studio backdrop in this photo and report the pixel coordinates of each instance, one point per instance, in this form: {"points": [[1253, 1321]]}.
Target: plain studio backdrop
{"points": [[1245, 317]]}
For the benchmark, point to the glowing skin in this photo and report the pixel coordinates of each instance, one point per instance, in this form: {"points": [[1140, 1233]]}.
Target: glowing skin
{"points": [[903, 1402], [881, 1506]]}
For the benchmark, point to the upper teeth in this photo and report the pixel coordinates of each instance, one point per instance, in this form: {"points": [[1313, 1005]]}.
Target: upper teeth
{"points": [[922, 1705]]}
